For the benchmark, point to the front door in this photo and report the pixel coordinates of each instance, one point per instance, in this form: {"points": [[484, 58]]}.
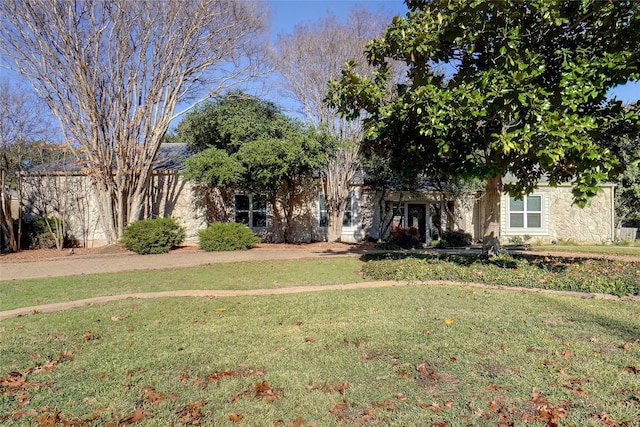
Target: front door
{"points": [[417, 217]]}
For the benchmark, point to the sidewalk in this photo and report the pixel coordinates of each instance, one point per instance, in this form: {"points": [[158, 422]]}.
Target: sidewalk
{"points": [[110, 263]]}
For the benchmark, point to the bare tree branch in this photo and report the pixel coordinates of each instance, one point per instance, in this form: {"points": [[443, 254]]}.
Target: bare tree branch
{"points": [[307, 60], [23, 119], [114, 72]]}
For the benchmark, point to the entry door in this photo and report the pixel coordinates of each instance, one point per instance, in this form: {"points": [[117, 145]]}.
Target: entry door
{"points": [[417, 217]]}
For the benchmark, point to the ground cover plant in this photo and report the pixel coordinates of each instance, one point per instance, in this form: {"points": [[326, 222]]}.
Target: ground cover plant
{"points": [[397, 356], [606, 276], [232, 276]]}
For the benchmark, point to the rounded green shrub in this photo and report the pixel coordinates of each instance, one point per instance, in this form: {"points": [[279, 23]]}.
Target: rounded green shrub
{"points": [[227, 236], [153, 236]]}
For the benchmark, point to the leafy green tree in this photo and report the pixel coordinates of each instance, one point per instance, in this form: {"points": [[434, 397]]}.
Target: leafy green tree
{"points": [[246, 142], [284, 169], [524, 93], [627, 198]]}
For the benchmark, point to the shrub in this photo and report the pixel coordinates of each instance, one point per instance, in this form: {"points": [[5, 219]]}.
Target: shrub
{"points": [[402, 238], [153, 236], [455, 239], [229, 236], [36, 234]]}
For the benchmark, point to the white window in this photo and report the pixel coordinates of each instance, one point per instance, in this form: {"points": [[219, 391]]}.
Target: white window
{"points": [[251, 210], [526, 214], [347, 220]]}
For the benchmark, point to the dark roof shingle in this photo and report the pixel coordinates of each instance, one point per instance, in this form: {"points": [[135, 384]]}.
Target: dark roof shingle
{"points": [[170, 157]]}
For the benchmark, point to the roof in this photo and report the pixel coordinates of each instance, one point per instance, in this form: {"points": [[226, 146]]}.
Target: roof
{"points": [[170, 157]]}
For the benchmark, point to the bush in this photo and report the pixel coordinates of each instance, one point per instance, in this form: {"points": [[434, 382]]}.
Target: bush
{"points": [[228, 236], [402, 238], [455, 239], [153, 236], [36, 234]]}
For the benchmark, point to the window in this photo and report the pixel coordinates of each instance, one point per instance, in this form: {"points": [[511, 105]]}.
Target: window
{"points": [[323, 222], [347, 220], [251, 210], [525, 213]]}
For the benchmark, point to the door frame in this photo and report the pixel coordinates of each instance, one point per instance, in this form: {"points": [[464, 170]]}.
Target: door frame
{"points": [[424, 228]]}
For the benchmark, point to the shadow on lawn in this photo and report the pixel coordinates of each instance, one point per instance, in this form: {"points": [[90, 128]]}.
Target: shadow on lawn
{"points": [[550, 264], [627, 330]]}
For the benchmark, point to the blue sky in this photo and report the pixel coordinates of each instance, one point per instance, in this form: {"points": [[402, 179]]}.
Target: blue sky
{"points": [[286, 13]]}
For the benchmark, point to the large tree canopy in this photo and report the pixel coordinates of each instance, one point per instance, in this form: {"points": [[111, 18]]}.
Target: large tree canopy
{"points": [[627, 198], [113, 73], [249, 143], [523, 92]]}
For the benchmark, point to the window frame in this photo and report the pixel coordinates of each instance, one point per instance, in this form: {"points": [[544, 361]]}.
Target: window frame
{"points": [[251, 210], [526, 212], [347, 221]]}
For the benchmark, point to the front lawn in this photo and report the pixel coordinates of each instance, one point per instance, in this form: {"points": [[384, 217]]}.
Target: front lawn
{"points": [[397, 356], [232, 276]]}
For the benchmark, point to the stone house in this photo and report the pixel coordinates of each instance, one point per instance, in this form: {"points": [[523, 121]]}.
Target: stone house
{"points": [[548, 214]]}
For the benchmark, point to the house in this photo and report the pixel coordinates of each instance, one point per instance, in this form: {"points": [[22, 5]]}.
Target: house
{"points": [[548, 214], [63, 188]]}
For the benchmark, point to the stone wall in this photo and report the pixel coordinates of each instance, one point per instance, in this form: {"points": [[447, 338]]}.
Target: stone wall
{"points": [[564, 220], [172, 196], [72, 198]]}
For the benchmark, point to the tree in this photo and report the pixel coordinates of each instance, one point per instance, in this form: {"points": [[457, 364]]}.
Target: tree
{"points": [[23, 125], [308, 59], [285, 170], [627, 198], [113, 73], [525, 93], [249, 143]]}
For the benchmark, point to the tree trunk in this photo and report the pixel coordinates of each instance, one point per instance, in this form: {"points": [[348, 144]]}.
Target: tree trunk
{"points": [[341, 168], [7, 220], [277, 219], [491, 217], [334, 224], [105, 196], [6, 215]]}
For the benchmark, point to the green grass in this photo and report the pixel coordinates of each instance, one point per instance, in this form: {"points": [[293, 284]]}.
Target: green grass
{"points": [[236, 276], [555, 272], [401, 356], [591, 249]]}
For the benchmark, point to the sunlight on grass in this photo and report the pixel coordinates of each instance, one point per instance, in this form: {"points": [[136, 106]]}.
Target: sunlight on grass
{"points": [[236, 276], [590, 249], [398, 356]]}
